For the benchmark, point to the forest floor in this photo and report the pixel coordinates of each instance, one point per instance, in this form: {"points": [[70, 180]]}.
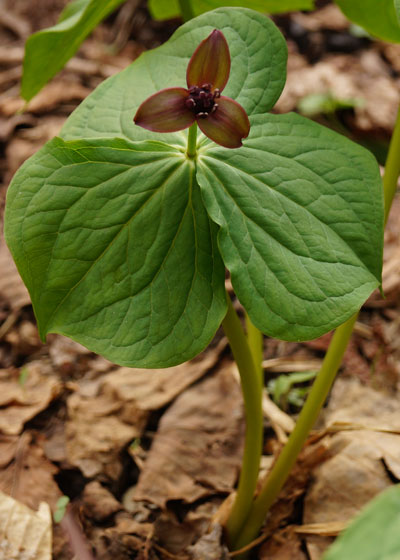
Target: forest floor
{"points": [[147, 458]]}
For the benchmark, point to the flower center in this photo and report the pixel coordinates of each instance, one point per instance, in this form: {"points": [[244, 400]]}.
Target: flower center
{"points": [[201, 100]]}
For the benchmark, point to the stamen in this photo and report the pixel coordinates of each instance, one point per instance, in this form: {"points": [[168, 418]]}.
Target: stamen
{"points": [[201, 100]]}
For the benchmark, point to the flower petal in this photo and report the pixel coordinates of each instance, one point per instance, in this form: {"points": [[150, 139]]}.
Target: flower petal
{"points": [[227, 125], [165, 111], [210, 62]]}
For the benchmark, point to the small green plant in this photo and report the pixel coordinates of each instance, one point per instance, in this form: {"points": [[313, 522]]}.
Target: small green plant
{"points": [[284, 388], [61, 508]]}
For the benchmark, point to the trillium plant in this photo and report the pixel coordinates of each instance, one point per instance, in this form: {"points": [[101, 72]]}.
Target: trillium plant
{"points": [[125, 226]]}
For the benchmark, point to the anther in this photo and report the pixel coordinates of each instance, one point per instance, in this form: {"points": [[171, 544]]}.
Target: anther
{"points": [[202, 115], [190, 103], [217, 93]]}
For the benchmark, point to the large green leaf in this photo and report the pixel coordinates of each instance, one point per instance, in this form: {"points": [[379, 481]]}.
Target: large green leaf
{"points": [[377, 17], [47, 51], [258, 74], [300, 215], [117, 250], [374, 534], [167, 9]]}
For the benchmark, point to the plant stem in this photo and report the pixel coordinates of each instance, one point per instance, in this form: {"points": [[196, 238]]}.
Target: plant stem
{"points": [[186, 9], [251, 388], [392, 167], [192, 141], [305, 422], [255, 340]]}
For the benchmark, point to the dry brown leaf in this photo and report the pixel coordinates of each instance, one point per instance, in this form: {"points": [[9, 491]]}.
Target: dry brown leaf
{"points": [[8, 449], [24, 534], [153, 389], [51, 95], [20, 403], [196, 451], [109, 412], [355, 473], [95, 434], [29, 140], [29, 477], [209, 546], [98, 502], [12, 289], [284, 545]]}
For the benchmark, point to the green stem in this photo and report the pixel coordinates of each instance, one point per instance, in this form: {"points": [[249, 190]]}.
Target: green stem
{"points": [[251, 388], [192, 141], [392, 167], [186, 9], [255, 340], [307, 418]]}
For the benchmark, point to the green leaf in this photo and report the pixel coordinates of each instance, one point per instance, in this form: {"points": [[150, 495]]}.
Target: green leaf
{"points": [[117, 250], [167, 9], [374, 534], [378, 18], [47, 51], [300, 212], [397, 8], [258, 72]]}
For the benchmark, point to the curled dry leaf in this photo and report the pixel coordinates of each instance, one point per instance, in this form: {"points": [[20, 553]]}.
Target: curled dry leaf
{"points": [[22, 402], [197, 449], [24, 534]]}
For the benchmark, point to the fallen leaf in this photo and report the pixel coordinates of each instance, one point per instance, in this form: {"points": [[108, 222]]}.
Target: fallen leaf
{"points": [[24, 534], [197, 449], [209, 546], [29, 477], [98, 502], [22, 402], [355, 473], [285, 544], [96, 434], [51, 95], [153, 389], [12, 289]]}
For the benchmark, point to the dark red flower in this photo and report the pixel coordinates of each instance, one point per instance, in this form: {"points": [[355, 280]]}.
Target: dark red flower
{"points": [[220, 118]]}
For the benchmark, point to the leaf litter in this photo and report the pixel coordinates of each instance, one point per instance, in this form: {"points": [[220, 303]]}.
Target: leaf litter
{"points": [[148, 457]]}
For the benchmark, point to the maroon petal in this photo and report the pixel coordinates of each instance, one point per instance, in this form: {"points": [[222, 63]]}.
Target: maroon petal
{"points": [[210, 62], [227, 125], [165, 111]]}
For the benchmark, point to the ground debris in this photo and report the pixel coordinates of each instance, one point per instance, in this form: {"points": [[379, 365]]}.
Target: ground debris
{"points": [[24, 534], [197, 449]]}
